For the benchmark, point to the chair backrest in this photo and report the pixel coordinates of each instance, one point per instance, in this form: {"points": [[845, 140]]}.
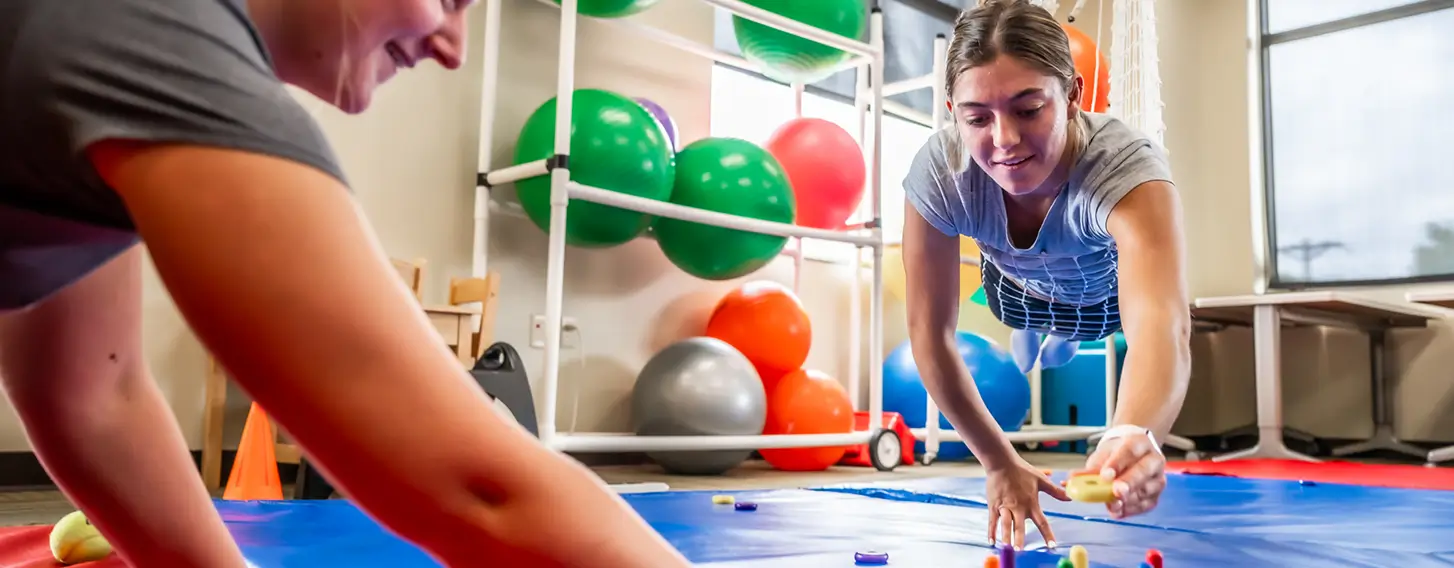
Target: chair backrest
{"points": [[484, 291], [412, 271]]}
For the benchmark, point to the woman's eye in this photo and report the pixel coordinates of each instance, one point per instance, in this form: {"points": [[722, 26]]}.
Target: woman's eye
{"points": [[1030, 113]]}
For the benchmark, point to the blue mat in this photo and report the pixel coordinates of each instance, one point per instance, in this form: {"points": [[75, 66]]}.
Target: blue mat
{"points": [[1202, 522]]}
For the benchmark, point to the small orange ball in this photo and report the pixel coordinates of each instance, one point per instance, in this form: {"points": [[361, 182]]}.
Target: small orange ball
{"points": [[807, 402]]}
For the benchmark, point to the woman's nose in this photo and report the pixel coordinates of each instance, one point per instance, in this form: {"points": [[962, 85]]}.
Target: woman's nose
{"points": [[448, 45]]}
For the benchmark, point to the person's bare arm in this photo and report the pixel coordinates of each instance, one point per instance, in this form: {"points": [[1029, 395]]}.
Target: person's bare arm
{"points": [[1155, 306], [273, 266], [931, 266]]}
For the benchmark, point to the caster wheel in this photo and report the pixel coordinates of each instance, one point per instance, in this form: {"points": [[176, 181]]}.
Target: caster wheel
{"points": [[884, 450], [928, 459]]}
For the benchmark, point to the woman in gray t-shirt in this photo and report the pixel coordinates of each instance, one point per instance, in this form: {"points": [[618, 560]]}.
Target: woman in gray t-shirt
{"points": [[1080, 229], [167, 122]]}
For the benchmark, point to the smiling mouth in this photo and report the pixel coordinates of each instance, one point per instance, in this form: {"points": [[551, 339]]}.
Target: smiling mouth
{"points": [[1014, 163], [400, 58]]}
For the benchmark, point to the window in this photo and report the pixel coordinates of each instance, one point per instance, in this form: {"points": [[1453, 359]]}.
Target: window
{"points": [[750, 107], [1356, 139]]}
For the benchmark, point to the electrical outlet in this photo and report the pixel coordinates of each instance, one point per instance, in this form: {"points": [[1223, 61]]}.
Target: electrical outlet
{"points": [[570, 333], [537, 331], [569, 337]]}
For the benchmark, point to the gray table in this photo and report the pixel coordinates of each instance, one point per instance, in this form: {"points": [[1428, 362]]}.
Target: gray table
{"points": [[1442, 299], [1267, 314]]}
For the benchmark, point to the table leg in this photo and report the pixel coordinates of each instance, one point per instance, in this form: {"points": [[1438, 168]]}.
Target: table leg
{"points": [[1267, 341], [1439, 455], [1383, 436]]}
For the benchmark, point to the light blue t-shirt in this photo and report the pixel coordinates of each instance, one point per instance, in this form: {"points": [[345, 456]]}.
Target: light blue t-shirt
{"points": [[1073, 259]]}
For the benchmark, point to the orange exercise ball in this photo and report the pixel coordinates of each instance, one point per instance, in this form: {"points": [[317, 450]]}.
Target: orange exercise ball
{"points": [[807, 401], [1091, 64], [767, 323]]}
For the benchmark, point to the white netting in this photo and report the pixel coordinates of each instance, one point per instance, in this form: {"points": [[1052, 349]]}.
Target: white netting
{"points": [[1135, 95]]}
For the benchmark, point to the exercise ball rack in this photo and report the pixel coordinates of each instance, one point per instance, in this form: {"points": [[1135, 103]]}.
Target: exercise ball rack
{"points": [[869, 235]]}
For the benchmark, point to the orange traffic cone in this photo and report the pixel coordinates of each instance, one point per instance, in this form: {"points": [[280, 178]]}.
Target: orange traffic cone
{"points": [[255, 470]]}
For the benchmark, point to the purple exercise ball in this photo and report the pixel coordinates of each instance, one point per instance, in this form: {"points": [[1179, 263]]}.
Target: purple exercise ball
{"points": [[663, 118]]}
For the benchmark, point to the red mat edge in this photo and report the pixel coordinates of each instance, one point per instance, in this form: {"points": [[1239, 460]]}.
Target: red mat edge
{"points": [[1345, 472], [29, 547]]}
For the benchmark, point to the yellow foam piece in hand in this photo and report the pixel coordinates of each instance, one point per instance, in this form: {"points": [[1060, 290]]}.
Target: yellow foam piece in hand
{"points": [[74, 539], [1089, 488]]}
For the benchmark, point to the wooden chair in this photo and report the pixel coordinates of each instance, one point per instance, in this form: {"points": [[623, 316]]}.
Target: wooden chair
{"points": [[215, 398], [483, 291], [412, 273]]}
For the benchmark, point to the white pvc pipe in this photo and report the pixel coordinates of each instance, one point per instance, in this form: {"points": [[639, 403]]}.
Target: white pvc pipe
{"points": [[626, 442], [855, 329], [908, 85], [1028, 434], [1112, 370], [861, 95], [481, 241], [794, 27], [798, 89], [798, 267], [684, 213], [517, 172], [875, 292], [907, 112], [559, 199], [937, 111]]}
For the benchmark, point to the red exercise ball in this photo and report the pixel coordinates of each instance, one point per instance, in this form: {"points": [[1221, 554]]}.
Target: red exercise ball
{"points": [[767, 323], [1091, 64], [807, 401], [825, 167]]}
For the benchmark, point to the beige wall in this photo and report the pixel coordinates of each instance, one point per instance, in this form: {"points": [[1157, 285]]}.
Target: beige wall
{"points": [[413, 159]]}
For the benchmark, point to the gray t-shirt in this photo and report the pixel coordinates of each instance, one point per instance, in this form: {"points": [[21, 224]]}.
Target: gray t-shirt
{"points": [[74, 72], [1073, 259]]}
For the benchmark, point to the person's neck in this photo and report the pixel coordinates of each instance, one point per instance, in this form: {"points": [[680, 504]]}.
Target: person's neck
{"points": [[1039, 200], [270, 18]]}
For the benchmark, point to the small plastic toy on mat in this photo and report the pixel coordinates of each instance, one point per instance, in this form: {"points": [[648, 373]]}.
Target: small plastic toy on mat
{"points": [[1079, 558], [1089, 488]]}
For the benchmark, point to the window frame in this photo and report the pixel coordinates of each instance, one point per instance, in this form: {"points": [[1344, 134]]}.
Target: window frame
{"points": [[1269, 276]]}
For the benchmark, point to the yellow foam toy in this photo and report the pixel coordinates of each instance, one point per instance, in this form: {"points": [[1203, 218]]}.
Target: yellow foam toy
{"points": [[74, 539], [1089, 488]]}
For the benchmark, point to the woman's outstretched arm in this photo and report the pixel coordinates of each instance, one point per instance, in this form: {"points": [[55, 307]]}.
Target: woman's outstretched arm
{"points": [[1155, 306], [931, 266], [275, 268]]}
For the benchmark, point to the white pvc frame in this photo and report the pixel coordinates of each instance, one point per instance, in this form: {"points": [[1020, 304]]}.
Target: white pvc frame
{"points": [[869, 236], [870, 103]]}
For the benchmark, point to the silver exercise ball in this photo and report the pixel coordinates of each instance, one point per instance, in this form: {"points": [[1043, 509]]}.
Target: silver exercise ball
{"points": [[698, 387]]}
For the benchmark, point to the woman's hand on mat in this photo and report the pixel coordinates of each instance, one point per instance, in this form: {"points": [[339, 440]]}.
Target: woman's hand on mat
{"points": [[1013, 495], [1137, 469]]}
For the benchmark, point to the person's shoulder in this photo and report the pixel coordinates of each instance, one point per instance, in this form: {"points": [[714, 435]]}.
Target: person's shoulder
{"points": [[103, 21], [1109, 134]]}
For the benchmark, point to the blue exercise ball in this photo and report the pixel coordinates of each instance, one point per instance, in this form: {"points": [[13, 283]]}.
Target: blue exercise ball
{"points": [[1005, 390]]}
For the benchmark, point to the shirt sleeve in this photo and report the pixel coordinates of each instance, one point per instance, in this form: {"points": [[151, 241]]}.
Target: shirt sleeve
{"points": [[182, 71], [1120, 168], [930, 186]]}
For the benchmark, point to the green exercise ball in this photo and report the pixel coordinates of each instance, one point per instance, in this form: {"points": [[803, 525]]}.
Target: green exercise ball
{"points": [[732, 176], [616, 145], [790, 58], [612, 8]]}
